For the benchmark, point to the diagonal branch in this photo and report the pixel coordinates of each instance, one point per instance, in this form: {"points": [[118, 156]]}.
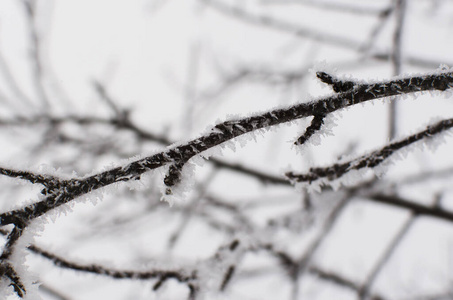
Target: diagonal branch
{"points": [[315, 125], [142, 134], [231, 129], [340, 280], [415, 208], [371, 160], [48, 181], [182, 276], [121, 115], [8, 271], [364, 290]]}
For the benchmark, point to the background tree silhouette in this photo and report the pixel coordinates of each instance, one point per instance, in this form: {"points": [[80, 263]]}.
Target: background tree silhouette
{"points": [[170, 117]]}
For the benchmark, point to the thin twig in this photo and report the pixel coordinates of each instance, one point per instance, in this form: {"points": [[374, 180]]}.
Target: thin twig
{"points": [[46, 180], [371, 160], [412, 206], [315, 125], [386, 255], [182, 276], [220, 133]]}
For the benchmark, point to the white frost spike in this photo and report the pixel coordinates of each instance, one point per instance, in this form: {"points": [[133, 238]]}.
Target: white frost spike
{"points": [[243, 139], [230, 145], [198, 160], [137, 184], [93, 197], [444, 68]]}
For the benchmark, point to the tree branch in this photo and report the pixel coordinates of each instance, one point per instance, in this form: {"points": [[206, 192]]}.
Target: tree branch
{"points": [[234, 128], [371, 160], [415, 208], [226, 131], [48, 181], [160, 275]]}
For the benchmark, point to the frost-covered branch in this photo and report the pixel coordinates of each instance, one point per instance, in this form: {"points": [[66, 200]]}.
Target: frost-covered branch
{"points": [[188, 278], [338, 85], [180, 154], [230, 129], [315, 125], [50, 182], [370, 160], [143, 135], [173, 176], [8, 271]]}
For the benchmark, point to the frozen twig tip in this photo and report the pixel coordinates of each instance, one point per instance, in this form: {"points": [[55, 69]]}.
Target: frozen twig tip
{"points": [[339, 86], [315, 125]]}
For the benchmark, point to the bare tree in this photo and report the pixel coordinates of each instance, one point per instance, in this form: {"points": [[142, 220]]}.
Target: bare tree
{"points": [[132, 124]]}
